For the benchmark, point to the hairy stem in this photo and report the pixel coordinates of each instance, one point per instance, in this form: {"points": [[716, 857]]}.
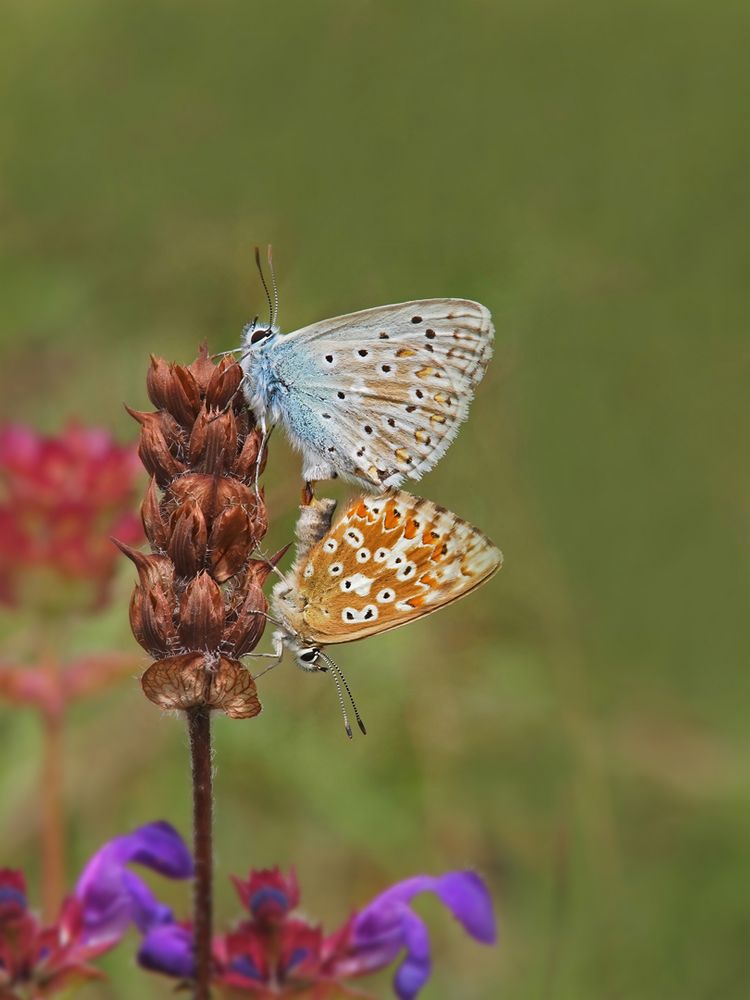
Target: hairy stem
{"points": [[199, 729], [53, 864]]}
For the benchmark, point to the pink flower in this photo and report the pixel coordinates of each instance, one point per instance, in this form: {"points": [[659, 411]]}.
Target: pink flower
{"points": [[61, 498]]}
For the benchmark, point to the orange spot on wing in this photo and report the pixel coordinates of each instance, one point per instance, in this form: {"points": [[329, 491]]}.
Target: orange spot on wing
{"points": [[405, 352], [411, 528], [415, 602], [391, 520], [428, 580]]}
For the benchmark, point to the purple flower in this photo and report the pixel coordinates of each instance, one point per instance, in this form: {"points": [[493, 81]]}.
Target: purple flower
{"points": [[388, 926], [112, 896], [106, 900], [276, 953], [168, 948]]}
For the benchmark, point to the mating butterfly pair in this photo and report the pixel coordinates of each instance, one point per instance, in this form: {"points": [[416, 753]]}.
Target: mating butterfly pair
{"points": [[377, 397]]}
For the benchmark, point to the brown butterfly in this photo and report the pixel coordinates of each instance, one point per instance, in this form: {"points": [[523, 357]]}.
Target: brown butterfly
{"points": [[388, 560]]}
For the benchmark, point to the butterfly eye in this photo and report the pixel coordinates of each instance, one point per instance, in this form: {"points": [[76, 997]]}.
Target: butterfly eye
{"points": [[260, 334], [309, 655]]}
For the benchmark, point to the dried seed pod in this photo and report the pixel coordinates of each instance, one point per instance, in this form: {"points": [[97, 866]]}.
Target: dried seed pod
{"points": [[198, 605]]}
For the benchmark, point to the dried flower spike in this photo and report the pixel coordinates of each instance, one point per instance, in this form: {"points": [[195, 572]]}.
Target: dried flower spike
{"points": [[196, 606]]}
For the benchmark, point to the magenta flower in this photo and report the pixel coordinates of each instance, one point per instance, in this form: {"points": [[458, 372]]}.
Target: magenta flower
{"points": [[276, 953], [106, 901], [61, 498]]}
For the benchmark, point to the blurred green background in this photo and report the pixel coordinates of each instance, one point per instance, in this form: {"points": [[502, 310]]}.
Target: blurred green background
{"points": [[578, 729]]}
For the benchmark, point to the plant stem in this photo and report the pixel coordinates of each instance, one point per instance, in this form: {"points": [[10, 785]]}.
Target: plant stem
{"points": [[199, 729], [53, 864]]}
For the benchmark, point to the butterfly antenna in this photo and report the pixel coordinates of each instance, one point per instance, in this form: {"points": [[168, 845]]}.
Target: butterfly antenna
{"points": [[265, 287], [275, 311], [340, 693], [338, 672]]}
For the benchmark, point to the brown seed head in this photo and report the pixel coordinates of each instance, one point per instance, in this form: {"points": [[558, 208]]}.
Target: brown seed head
{"points": [[198, 606]]}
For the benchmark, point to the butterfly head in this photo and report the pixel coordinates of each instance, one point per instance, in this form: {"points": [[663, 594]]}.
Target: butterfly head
{"points": [[254, 333], [307, 654]]}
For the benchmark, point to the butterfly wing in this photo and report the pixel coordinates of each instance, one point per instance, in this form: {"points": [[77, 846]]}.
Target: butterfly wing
{"points": [[378, 395], [389, 559]]}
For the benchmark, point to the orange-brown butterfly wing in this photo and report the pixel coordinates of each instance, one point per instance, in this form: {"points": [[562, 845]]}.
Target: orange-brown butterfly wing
{"points": [[388, 560]]}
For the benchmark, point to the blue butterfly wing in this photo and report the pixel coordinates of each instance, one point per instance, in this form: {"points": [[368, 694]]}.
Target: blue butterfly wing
{"points": [[375, 396]]}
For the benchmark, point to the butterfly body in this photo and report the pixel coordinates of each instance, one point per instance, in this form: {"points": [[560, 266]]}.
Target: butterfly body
{"points": [[375, 396], [390, 559]]}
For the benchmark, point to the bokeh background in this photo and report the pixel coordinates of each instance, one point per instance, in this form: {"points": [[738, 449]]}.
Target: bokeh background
{"points": [[578, 729]]}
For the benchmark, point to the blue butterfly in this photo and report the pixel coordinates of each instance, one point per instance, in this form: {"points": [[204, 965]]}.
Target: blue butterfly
{"points": [[375, 396]]}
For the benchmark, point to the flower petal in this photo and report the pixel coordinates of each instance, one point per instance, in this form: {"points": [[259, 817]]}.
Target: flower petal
{"points": [[387, 926], [112, 897], [464, 893], [168, 949], [414, 971]]}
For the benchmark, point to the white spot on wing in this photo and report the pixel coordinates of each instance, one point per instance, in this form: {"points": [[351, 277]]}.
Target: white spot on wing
{"points": [[358, 584], [353, 537]]}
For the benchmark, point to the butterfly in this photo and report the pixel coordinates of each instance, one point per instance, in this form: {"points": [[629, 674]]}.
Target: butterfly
{"points": [[375, 396], [390, 559]]}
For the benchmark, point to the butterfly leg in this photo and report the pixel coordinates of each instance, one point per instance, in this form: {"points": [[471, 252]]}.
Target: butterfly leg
{"points": [[308, 494], [277, 655], [259, 460]]}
